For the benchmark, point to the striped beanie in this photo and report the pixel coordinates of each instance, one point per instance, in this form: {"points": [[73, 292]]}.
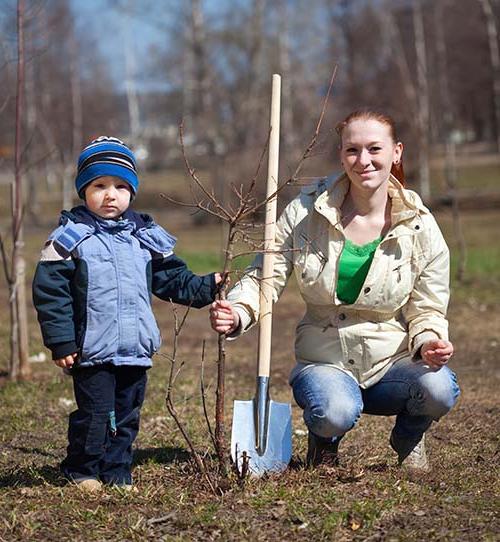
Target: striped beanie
{"points": [[106, 156]]}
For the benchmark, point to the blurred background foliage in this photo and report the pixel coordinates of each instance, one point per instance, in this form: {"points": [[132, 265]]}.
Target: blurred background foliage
{"points": [[135, 69]]}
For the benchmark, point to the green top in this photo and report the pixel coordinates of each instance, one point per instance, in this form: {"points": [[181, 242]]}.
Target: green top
{"points": [[354, 264]]}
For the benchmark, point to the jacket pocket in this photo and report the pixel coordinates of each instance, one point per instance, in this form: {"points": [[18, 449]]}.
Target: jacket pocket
{"points": [[400, 281]]}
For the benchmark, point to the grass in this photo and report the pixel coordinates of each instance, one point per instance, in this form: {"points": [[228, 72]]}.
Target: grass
{"points": [[479, 178], [366, 498]]}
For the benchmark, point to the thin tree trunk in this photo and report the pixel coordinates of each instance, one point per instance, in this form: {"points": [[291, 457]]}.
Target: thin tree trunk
{"points": [[130, 67], [450, 168], [77, 121], [19, 366], [492, 29], [250, 106], [32, 181], [286, 73], [423, 101], [394, 42]]}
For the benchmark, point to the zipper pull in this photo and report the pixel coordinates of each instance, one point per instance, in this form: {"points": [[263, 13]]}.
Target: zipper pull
{"points": [[112, 423]]}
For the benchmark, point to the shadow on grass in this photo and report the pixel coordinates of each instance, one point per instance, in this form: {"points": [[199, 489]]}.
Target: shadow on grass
{"points": [[34, 451], [160, 456], [32, 476]]}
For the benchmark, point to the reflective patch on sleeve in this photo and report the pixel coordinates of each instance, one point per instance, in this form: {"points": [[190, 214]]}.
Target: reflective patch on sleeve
{"points": [[69, 239], [54, 253]]}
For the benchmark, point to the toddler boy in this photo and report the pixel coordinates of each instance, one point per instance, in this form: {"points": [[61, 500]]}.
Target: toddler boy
{"points": [[92, 292]]}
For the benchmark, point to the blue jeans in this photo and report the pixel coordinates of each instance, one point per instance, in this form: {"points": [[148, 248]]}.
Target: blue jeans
{"points": [[333, 401], [101, 431]]}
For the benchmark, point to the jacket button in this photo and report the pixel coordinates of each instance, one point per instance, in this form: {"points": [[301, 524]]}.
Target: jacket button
{"points": [[342, 316], [367, 290], [351, 362]]}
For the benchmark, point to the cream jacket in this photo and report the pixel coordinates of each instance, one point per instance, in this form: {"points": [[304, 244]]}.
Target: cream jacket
{"points": [[401, 305]]}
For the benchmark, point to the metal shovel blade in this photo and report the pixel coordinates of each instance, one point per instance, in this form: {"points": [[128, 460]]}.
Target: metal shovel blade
{"points": [[278, 449]]}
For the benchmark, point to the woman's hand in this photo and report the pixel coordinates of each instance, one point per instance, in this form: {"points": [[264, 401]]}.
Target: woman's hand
{"points": [[223, 318], [436, 353], [67, 361]]}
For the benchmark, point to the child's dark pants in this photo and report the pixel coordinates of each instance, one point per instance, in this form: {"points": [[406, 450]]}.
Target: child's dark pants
{"points": [[102, 430]]}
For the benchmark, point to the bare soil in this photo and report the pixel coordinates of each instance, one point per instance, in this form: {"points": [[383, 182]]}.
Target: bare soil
{"points": [[366, 498]]}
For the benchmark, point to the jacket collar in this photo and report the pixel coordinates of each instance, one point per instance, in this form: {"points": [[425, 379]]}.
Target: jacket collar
{"points": [[406, 204], [130, 219]]}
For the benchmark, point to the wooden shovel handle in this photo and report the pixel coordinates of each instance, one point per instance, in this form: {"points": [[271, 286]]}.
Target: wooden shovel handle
{"points": [[266, 286]]}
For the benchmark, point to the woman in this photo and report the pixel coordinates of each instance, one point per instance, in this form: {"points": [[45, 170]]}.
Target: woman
{"points": [[373, 269]]}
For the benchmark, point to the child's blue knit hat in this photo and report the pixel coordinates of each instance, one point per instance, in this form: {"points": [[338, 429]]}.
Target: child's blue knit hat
{"points": [[106, 156]]}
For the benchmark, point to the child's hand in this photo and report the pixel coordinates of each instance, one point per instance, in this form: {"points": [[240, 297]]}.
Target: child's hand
{"points": [[223, 318], [67, 361], [219, 277], [436, 353]]}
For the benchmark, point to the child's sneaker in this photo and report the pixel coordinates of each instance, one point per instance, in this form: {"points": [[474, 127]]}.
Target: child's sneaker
{"points": [[415, 459], [89, 485]]}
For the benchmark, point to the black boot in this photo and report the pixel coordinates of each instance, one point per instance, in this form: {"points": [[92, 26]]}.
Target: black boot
{"points": [[322, 451]]}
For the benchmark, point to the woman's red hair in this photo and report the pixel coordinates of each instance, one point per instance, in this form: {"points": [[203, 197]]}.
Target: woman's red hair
{"points": [[365, 114]]}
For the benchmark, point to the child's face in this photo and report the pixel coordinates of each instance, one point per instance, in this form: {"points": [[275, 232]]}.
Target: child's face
{"points": [[108, 197]]}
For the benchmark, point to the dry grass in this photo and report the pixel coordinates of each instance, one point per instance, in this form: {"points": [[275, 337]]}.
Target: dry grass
{"points": [[366, 498]]}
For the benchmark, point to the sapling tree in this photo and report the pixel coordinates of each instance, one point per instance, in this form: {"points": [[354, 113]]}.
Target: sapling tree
{"points": [[239, 214]]}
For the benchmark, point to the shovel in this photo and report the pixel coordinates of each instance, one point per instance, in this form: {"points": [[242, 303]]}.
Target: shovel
{"points": [[262, 428]]}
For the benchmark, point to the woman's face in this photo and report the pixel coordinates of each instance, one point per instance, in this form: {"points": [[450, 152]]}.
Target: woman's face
{"points": [[367, 153]]}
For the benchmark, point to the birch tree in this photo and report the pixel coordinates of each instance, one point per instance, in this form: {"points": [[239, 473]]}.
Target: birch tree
{"points": [[15, 267], [492, 30], [423, 113], [447, 119]]}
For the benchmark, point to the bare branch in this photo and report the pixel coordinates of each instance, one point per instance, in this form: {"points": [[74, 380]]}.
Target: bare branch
{"points": [[197, 181], [198, 205], [4, 105], [203, 397], [178, 325], [259, 165], [314, 139], [5, 261]]}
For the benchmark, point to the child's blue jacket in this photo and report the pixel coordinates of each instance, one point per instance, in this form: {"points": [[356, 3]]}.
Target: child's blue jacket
{"points": [[92, 288]]}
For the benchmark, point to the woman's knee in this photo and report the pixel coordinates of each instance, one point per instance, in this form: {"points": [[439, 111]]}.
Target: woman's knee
{"points": [[439, 391], [332, 418], [330, 398]]}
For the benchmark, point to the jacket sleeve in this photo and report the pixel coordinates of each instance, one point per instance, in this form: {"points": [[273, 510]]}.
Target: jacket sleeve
{"points": [[172, 280], [53, 302], [426, 309], [244, 296]]}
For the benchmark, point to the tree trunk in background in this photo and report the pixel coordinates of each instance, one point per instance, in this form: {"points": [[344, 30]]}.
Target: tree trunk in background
{"points": [[32, 177], [188, 82], [423, 101], [130, 72], [447, 118], [284, 69], [204, 121], [19, 365], [394, 43], [492, 29], [251, 104], [77, 118]]}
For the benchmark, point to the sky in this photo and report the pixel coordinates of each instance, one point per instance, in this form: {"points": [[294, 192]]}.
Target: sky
{"points": [[110, 27]]}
